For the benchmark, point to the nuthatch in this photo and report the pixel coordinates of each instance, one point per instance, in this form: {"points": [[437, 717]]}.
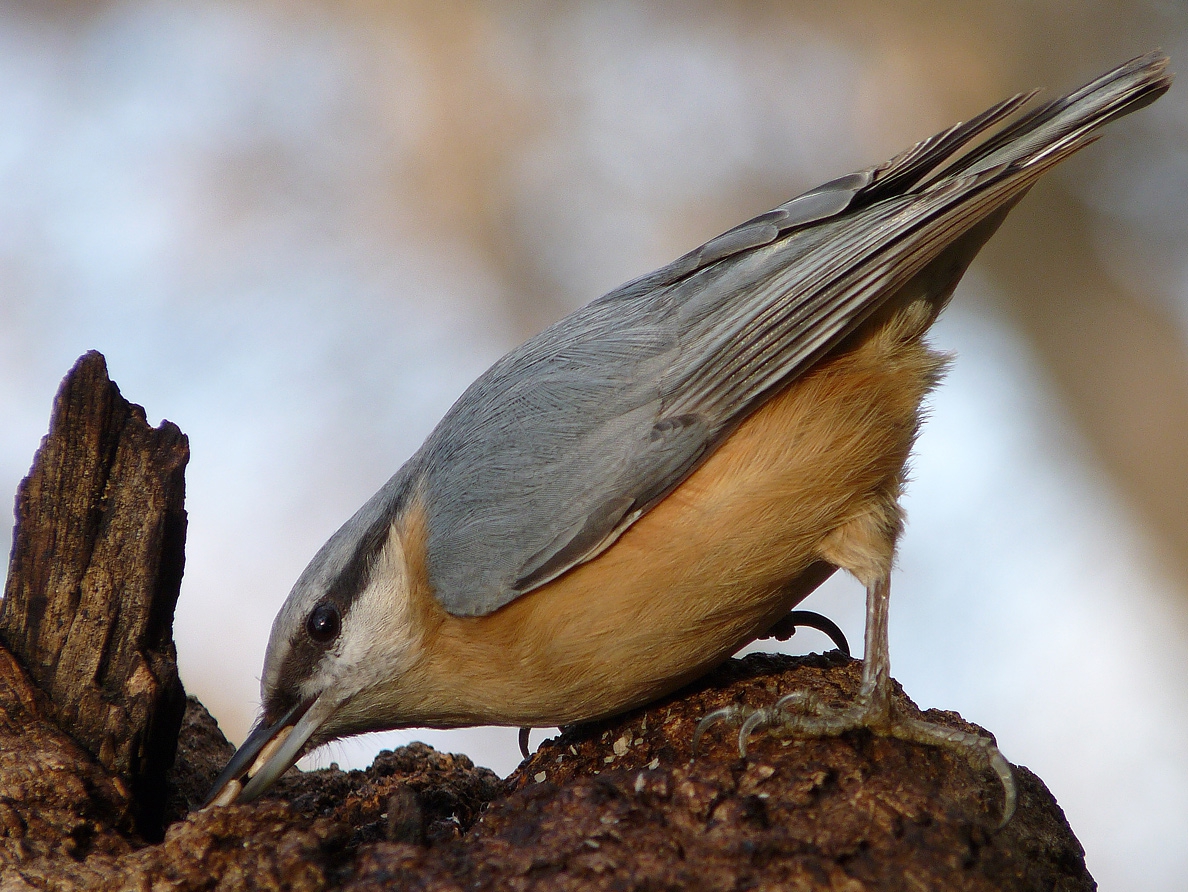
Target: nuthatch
{"points": [[622, 502]]}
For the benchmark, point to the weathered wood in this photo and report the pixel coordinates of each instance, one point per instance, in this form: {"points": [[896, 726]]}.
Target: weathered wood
{"points": [[56, 804], [617, 805], [622, 804], [96, 567]]}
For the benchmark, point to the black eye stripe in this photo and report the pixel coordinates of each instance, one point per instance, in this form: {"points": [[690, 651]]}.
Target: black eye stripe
{"points": [[305, 650], [323, 623]]}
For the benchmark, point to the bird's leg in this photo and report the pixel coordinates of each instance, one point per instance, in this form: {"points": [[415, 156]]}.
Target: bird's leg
{"points": [[799, 588], [874, 697], [803, 713]]}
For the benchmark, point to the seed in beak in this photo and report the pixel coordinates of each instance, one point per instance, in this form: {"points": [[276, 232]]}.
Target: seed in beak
{"points": [[269, 748], [229, 795]]}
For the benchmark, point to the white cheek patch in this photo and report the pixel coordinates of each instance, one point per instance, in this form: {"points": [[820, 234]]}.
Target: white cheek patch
{"points": [[377, 637]]}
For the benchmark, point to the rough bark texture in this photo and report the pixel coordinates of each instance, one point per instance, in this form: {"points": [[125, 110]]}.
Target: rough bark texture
{"points": [[621, 805], [96, 567], [202, 751], [55, 802], [616, 805]]}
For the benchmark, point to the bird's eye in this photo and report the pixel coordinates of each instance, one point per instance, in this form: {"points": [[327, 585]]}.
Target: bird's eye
{"points": [[323, 623]]}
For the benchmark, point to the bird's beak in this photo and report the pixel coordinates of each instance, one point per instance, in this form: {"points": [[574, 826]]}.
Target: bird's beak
{"points": [[268, 752]]}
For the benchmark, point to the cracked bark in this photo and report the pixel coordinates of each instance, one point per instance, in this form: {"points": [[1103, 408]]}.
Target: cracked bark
{"points": [[96, 567]]}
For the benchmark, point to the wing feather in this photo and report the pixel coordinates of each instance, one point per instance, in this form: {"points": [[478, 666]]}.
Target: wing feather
{"points": [[573, 436]]}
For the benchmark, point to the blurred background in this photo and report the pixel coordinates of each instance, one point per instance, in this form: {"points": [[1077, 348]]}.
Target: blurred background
{"points": [[300, 229]]}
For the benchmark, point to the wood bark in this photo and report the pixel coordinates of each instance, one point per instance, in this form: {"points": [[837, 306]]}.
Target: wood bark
{"points": [[96, 568]]}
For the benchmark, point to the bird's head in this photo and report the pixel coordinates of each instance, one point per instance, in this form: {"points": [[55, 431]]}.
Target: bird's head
{"points": [[344, 633]]}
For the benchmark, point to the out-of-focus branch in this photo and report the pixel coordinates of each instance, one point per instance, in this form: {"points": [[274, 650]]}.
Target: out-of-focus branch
{"points": [[1116, 358]]}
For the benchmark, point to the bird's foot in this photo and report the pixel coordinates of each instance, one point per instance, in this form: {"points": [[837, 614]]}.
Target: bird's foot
{"points": [[803, 714]]}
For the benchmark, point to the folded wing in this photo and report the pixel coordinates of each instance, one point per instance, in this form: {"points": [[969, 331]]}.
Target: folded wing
{"points": [[569, 439]]}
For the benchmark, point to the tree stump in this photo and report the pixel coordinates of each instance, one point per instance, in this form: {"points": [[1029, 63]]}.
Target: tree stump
{"points": [[96, 568]]}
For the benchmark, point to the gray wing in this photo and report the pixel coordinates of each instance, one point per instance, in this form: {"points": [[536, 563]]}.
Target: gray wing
{"points": [[570, 438]]}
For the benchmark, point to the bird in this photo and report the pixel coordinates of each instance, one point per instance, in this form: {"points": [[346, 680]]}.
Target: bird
{"points": [[619, 504]]}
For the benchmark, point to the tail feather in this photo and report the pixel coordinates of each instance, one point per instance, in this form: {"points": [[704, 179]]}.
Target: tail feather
{"points": [[1071, 121]]}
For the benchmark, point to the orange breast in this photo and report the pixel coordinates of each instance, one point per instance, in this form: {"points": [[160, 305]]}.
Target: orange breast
{"points": [[812, 476]]}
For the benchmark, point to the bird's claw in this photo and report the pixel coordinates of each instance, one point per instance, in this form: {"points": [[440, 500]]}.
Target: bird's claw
{"points": [[802, 713], [725, 714], [751, 718], [974, 747], [779, 714], [787, 626]]}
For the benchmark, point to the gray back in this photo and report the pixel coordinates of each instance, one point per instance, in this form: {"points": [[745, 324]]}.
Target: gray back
{"points": [[570, 438]]}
